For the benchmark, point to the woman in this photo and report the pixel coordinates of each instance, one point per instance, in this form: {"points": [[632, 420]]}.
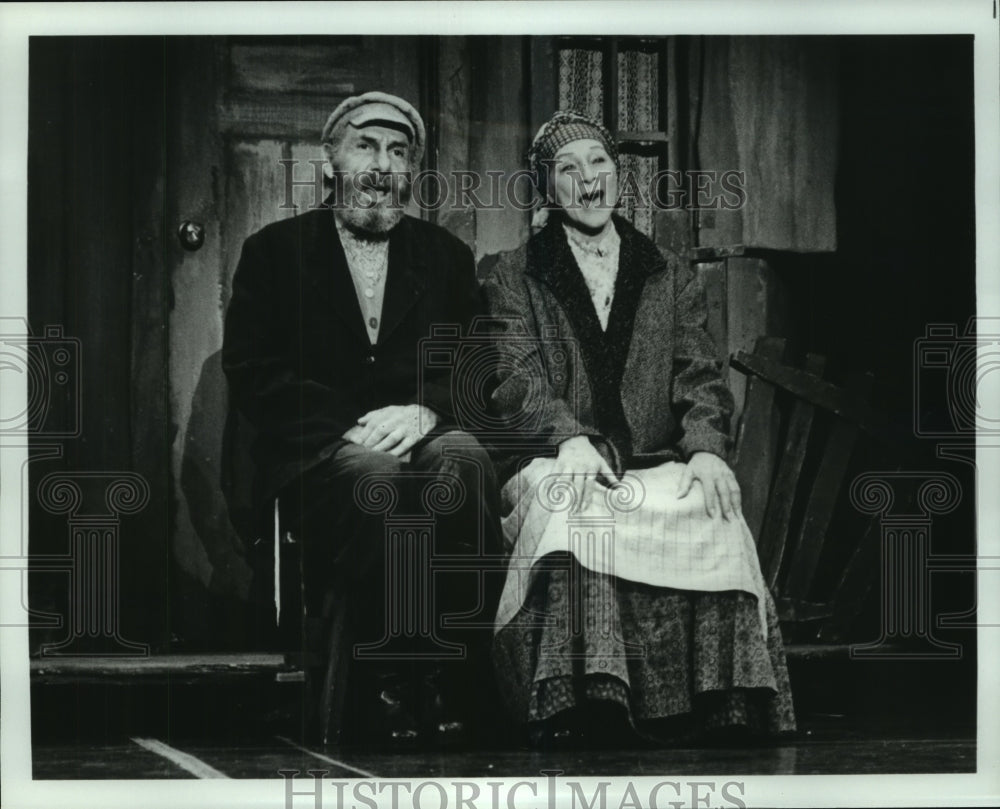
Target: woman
{"points": [[633, 600]]}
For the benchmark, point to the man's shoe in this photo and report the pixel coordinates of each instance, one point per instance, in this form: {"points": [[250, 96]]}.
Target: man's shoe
{"points": [[444, 721], [393, 722]]}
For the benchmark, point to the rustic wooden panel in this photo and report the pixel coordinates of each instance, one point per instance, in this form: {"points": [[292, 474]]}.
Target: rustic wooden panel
{"points": [[823, 499], [770, 109], [392, 65], [714, 142], [210, 575], [672, 232], [778, 518], [713, 278], [543, 88], [292, 67], [757, 439], [785, 111], [837, 400], [280, 89], [158, 665], [753, 309], [669, 79], [499, 135], [205, 541], [272, 186], [193, 161], [255, 190], [264, 116], [454, 78]]}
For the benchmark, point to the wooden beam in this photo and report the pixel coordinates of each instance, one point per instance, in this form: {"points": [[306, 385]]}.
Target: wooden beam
{"points": [[813, 389], [610, 73], [644, 136], [280, 117], [173, 668], [542, 80], [756, 443], [778, 517], [823, 498]]}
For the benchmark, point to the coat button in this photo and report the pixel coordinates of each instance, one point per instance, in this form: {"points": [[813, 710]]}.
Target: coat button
{"points": [[370, 359]]}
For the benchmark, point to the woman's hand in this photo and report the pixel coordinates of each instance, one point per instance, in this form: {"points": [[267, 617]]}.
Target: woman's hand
{"points": [[718, 483], [583, 465]]}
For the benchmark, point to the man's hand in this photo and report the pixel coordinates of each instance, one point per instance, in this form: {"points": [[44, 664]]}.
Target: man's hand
{"points": [[393, 429], [583, 465], [718, 483]]}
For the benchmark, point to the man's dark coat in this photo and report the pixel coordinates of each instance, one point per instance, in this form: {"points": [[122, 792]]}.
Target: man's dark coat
{"points": [[296, 352]]}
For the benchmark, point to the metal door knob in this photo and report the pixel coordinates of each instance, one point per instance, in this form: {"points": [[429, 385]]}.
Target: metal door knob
{"points": [[191, 234]]}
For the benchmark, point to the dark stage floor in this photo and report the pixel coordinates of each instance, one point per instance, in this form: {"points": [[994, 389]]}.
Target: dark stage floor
{"points": [[880, 720], [151, 758]]}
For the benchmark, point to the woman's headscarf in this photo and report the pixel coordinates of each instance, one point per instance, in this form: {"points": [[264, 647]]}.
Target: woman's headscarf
{"points": [[565, 126]]}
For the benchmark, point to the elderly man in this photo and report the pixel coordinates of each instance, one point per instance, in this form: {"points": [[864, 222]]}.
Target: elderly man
{"points": [[322, 354]]}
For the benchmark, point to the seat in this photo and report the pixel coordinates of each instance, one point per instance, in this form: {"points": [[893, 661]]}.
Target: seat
{"points": [[317, 646], [794, 447], [326, 673]]}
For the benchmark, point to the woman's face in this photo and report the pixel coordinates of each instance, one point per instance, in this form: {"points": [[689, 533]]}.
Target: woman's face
{"points": [[583, 182]]}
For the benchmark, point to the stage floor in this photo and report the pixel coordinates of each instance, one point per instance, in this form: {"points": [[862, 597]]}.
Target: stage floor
{"points": [[822, 749]]}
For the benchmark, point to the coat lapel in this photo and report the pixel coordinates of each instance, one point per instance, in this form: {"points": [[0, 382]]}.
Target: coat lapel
{"points": [[405, 281], [324, 267], [551, 261], [651, 338]]}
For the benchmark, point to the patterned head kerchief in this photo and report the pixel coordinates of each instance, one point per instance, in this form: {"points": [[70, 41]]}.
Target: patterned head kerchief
{"points": [[565, 127]]}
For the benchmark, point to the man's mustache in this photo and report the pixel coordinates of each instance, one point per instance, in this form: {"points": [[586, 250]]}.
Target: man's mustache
{"points": [[370, 188], [385, 181]]}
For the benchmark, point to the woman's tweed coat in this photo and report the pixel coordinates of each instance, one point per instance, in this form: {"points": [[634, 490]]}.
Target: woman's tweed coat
{"points": [[648, 390]]}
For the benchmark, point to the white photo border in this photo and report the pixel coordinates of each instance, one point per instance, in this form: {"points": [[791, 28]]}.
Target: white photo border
{"points": [[20, 21]]}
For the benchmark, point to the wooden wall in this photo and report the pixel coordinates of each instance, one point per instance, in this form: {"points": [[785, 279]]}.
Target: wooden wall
{"points": [[768, 106], [486, 87]]}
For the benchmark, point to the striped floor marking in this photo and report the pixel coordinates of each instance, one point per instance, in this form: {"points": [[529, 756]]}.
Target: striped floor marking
{"points": [[327, 759], [185, 761]]}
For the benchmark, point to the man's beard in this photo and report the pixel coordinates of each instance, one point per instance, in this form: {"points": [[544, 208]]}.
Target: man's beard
{"points": [[372, 218]]}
